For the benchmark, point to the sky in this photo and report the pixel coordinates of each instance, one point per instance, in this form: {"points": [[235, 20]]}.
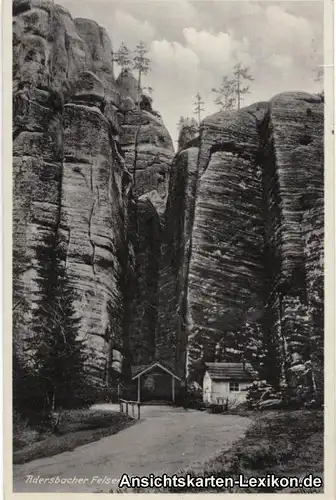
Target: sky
{"points": [[193, 44]]}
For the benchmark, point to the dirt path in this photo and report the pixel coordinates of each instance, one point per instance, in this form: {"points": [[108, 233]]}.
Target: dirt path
{"points": [[164, 440]]}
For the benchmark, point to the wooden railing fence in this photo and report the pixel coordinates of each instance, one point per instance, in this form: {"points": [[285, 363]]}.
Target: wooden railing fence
{"points": [[124, 407]]}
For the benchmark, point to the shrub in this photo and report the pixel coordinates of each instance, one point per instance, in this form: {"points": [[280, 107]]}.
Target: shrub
{"points": [[259, 390], [262, 395]]}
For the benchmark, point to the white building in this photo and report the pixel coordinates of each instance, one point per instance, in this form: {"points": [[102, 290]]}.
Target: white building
{"points": [[227, 382]]}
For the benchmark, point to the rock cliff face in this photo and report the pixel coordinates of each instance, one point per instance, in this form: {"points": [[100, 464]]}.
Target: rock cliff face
{"points": [[74, 131], [215, 253], [227, 242], [148, 150], [294, 157], [171, 336], [256, 217]]}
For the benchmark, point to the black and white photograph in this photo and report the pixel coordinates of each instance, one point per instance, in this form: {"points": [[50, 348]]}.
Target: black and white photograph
{"points": [[168, 229]]}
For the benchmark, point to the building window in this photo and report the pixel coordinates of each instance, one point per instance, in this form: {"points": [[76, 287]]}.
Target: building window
{"points": [[234, 387]]}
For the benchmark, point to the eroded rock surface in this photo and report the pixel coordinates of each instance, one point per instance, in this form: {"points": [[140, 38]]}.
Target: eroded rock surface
{"points": [[226, 268], [171, 336], [148, 151], [74, 142], [255, 220]]}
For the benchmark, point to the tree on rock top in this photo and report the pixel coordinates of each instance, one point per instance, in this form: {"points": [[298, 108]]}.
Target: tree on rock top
{"points": [[188, 129], [240, 74], [232, 92], [141, 63], [123, 57], [226, 97], [199, 103]]}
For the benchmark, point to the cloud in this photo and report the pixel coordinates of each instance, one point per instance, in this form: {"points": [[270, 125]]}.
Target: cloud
{"points": [[283, 64], [173, 58], [175, 77], [192, 44], [291, 30], [218, 52], [169, 17], [211, 48], [132, 30]]}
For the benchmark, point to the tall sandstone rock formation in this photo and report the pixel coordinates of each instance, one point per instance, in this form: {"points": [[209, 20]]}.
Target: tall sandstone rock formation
{"points": [[242, 270], [76, 133], [215, 253]]}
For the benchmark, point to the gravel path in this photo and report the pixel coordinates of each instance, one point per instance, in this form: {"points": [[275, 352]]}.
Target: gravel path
{"points": [[164, 440]]}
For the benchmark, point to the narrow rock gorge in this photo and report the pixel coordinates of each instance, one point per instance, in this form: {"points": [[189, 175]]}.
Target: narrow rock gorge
{"points": [[211, 253]]}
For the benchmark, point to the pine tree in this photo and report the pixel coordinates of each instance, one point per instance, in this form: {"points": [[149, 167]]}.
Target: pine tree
{"points": [[58, 353], [231, 92], [240, 74], [226, 96], [141, 63], [123, 57], [199, 103], [188, 129]]}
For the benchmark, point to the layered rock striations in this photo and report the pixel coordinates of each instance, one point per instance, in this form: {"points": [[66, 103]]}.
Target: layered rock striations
{"points": [[292, 147], [313, 224], [74, 130], [67, 175], [226, 267], [148, 151], [147, 147], [256, 216], [171, 333]]}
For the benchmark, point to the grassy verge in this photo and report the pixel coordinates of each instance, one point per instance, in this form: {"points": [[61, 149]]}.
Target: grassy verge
{"points": [[77, 427], [285, 443]]}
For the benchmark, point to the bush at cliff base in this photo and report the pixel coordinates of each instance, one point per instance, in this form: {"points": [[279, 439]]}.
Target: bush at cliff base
{"points": [[262, 396], [89, 394], [257, 392]]}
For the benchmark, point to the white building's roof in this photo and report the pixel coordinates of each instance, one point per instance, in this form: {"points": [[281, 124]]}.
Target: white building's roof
{"points": [[230, 371]]}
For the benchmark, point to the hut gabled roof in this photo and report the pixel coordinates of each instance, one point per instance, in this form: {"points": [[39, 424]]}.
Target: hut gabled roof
{"points": [[137, 371], [230, 371]]}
